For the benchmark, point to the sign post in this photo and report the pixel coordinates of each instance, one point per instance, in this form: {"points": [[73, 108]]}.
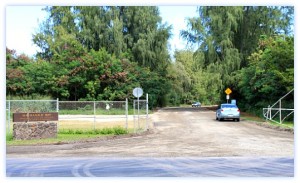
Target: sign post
{"points": [[138, 92], [228, 92]]}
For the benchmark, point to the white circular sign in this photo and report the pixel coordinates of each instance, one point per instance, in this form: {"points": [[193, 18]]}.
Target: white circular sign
{"points": [[137, 92]]}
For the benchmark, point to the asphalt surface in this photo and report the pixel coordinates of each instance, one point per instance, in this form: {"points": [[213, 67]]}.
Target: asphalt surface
{"points": [[150, 167]]}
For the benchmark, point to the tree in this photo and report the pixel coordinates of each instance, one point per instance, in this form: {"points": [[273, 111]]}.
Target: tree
{"points": [[17, 83], [137, 31], [71, 37], [191, 82], [270, 73], [226, 36], [261, 20], [214, 30]]}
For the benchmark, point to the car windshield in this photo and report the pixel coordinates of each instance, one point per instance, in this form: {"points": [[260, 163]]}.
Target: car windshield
{"points": [[228, 106]]}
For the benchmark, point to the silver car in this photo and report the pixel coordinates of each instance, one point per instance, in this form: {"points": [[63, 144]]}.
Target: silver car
{"points": [[228, 111], [196, 104]]}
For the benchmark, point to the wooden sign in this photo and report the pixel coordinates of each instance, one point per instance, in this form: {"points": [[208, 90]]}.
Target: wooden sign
{"points": [[28, 117]]}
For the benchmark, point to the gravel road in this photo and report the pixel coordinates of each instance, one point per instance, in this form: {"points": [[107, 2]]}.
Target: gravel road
{"points": [[178, 132]]}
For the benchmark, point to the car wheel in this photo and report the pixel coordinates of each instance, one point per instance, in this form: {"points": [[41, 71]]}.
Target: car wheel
{"points": [[238, 119]]}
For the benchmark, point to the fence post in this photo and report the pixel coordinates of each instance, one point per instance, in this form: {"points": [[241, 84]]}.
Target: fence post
{"points": [[57, 105], [9, 116], [270, 109], [94, 115], [134, 116], [147, 108], [57, 110], [126, 113], [280, 111]]}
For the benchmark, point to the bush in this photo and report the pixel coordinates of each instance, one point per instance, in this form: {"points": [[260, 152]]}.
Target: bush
{"points": [[9, 137], [105, 131], [119, 130]]}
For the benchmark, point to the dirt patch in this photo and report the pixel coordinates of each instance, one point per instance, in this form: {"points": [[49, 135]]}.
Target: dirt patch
{"points": [[211, 108]]}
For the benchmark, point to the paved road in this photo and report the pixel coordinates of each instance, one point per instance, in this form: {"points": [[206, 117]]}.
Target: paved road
{"points": [[150, 167], [190, 136]]}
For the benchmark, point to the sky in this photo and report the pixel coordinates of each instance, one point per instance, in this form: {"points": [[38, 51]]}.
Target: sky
{"points": [[23, 21]]}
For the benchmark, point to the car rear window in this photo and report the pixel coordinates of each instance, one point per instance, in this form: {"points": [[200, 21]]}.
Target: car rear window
{"points": [[229, 106]]}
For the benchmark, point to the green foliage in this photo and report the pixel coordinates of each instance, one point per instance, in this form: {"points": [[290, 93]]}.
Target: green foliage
{"points": [[95, 53], [95, 75], [270, 73], [9, 137], [102, 53], [105, 131], [190, 82], [30, 97], [226, 38], [65, 136], [136, 31]]}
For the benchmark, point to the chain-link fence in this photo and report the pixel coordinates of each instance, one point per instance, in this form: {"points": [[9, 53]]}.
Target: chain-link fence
{"points": [[85, 115], [93, 114], [140, 115]]}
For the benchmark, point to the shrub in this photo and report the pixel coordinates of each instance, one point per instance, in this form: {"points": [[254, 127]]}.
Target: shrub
{"points": [[105, 131]]}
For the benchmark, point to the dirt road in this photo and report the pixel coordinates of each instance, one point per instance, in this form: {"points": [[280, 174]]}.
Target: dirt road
{"points": [[178, 132]]}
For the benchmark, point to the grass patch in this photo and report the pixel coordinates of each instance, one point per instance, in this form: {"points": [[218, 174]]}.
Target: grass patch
{"points": [[105, 131], [61, 138], [65, 136], [9, 137], [251, 117], [288, 124]]}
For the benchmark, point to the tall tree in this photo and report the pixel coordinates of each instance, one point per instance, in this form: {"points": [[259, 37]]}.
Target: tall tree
{"points": [[261, 20], [270, 74], [125, 32], [194, 81], [226, 36], [134, 32], [214, 30]]}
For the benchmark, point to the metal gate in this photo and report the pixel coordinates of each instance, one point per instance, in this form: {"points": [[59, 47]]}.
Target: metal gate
{"points": [[278, 110]]}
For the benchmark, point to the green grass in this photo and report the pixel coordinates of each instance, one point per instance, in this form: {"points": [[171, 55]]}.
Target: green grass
{"points": [[65, 136], [104, 131], [251, 117], [289, 124]]}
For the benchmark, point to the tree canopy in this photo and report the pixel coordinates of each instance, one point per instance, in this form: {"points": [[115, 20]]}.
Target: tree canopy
{"points": [[227, 40], [103, 52]]}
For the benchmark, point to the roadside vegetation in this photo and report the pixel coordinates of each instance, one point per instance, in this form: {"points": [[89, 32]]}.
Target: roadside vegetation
{"points": [[70, 135], [257, 119]]}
